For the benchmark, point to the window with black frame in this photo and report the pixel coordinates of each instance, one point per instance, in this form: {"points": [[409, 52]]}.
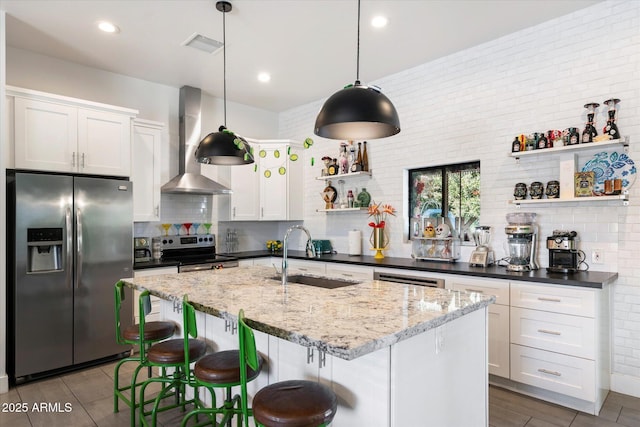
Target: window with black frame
{"points": [[449, 191]]}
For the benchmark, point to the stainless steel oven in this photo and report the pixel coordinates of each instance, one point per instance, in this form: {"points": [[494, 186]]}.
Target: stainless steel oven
{"points": [[195, 253]]}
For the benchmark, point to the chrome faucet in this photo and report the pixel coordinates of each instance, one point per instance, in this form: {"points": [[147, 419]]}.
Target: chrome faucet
{"points": [[310, 249]]}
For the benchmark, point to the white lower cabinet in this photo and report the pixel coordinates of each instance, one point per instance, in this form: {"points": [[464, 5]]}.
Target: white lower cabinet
{"points": [[498, 318], [362, 385], [349, 272], [560, 343], [571, 376], [302, 266]]}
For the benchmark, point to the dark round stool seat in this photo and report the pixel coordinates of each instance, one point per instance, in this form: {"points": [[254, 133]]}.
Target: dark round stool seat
{"points": [[294, 403], [171, 352], [153, 331], [223, 367]]}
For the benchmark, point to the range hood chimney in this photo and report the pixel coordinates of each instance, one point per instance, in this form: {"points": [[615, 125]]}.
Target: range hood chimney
{"points": [[189, 179]]}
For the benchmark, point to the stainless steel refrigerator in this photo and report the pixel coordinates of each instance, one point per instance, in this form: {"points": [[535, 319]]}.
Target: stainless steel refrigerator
{"points": [[72, 240]]}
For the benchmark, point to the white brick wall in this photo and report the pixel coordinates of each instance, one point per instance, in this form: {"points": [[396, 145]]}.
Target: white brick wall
{"points": [[470, 105]]}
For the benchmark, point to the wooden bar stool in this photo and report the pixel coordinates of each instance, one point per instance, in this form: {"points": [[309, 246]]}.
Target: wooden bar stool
{"points": [[151, 332], [177, 354], [295, 403], [222, 370]]}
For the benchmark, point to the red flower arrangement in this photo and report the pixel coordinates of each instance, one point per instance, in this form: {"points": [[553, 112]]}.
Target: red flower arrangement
{"points": [[379, 212]]}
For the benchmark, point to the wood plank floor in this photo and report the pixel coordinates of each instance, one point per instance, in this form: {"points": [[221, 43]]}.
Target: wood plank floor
{"points": [[84, 399]]}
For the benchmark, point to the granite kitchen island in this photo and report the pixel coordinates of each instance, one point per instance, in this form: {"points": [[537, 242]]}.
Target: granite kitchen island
{"points": [[395, 354]]}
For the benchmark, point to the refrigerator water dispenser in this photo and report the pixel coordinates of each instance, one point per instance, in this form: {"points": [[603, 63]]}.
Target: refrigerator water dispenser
{"points": [[44, 249]]}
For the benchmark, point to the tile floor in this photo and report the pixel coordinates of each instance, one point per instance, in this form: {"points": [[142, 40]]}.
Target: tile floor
{"points": [[84, 398]]}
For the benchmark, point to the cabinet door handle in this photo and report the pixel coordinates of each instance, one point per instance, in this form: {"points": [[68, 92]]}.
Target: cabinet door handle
{"points": [[234, 212], [347, 275], [309, 355], [549, 299], [157, 210], [546, 331], [177, 307], [261, 212], [73, 159], [82, 161], [475, 290], [322, 359], [546, 371]]}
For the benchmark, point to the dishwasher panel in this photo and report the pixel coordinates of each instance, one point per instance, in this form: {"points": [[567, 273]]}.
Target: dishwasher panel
{"points": [[410, 280]]}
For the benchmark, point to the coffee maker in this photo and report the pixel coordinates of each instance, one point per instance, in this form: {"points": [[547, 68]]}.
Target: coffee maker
{"points": [[522, 241], [141, 249], [564, 256]]}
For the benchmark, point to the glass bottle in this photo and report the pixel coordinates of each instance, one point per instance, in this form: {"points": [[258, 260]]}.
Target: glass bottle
{"points": [[364, 198], [365, 157], [350, 199], [357, 166], [611, 128], [344, 162], [515, 145]]}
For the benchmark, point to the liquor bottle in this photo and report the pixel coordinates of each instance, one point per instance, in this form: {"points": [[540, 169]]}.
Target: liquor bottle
{"points": [[357, 166], [515, 145], [365, 157], [344, 161]]}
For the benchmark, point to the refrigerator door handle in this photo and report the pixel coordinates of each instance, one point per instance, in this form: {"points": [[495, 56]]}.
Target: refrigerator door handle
{"points": [[78, 247], [69, 230]]}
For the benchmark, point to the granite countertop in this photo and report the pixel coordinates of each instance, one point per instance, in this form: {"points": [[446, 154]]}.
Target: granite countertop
{"points": [[348, 322], [588, 279]]}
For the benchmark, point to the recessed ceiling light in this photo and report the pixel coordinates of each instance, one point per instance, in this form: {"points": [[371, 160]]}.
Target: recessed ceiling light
{"points": [[264, 77], [379, 21], [108, 27]]}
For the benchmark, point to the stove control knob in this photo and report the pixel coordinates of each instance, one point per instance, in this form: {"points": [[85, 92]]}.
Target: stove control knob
{"points": [[170, 241], [164, 241], [211, 239]]}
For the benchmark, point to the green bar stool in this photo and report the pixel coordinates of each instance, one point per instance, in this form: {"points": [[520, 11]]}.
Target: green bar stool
{"points": [[151, 332], [177, 354], [222, 370], [295, 403]]}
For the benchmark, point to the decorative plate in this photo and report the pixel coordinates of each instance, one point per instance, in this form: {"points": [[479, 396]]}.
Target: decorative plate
{"points": [[611, 165]]}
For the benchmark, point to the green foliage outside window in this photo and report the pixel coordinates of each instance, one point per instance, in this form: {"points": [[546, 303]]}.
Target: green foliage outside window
{"points": [[451, 191]]}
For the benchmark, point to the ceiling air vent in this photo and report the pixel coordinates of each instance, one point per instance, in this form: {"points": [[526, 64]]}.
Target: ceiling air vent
{"points": [[203, 43]]}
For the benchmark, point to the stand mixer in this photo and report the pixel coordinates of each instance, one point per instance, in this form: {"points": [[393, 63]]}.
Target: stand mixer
{"points": [[482, 255]]}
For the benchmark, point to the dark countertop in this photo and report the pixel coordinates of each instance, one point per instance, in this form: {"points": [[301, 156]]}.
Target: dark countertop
{"points": [[589, 279]]}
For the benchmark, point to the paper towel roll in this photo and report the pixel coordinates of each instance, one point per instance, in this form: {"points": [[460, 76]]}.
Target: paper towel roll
{"points": [[355, 242]]}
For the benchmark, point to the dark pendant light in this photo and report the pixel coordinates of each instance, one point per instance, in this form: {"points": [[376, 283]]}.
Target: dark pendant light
{"points": [[357, 111], [224, 147]]}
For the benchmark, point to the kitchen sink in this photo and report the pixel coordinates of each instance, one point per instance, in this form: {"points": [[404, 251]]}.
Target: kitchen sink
{"points": [[320, 282]]}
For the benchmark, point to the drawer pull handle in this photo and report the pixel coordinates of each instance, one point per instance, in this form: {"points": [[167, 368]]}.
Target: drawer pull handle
{"points": [[546, 371], [546, 331], [475, 290], [549, 299]]}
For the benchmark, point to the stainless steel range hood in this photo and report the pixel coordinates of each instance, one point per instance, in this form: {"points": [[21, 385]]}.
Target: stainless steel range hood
{"points": [[189, 179]]}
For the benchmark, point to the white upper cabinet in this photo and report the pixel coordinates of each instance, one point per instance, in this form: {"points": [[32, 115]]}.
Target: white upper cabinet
{"points": [[62, 134], [146, 139], [271, 188]]}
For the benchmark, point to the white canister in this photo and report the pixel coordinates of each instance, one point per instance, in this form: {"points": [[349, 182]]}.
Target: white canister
{"points": [[355, 242]]}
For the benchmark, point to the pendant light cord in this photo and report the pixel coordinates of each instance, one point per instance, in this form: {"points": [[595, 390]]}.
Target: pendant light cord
{"points": [[358, 48], [224, 64]]}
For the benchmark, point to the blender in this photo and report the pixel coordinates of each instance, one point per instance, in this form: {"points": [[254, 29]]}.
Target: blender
{"points": [[521, 241], [482, 255]]}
